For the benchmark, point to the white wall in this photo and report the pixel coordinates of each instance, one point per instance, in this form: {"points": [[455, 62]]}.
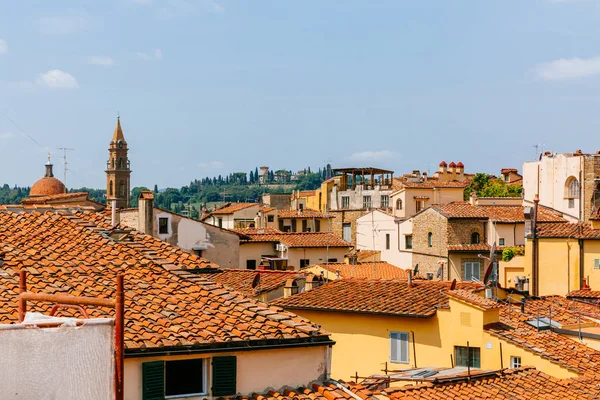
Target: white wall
{"points": [[371, 231], [550, 181]]}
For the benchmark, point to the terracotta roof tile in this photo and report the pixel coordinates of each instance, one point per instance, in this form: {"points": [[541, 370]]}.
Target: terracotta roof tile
{"points": [[474, 299], [500, 213], [241, 279], [300, 214], [517, 384], [230, 208], [79, 253], [370, 270], [586, 294], [297, 239], [433, 183], [509, 170], [389, 297], [576, 230]]}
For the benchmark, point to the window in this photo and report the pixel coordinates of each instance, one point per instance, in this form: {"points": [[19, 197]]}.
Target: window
{"points": [[304, 262], [332, 260], [467, 356], [120, 163], [163, 225], [110, 188], [250, 264], [515, 361], [571, 203], [387, 241], [385, 201], [408, 241], [399, 347], [220, 222], [270, 218], [501, 241], [366, 201], [346, 231], [294, 223], [345, 201], [472, 270], [507, 177], [171, 379], [305, 226], [399, 204], [430, 239], [420, 204], [597, 263], [572, 188], [474, 238], [301, 206], [317, 225]]}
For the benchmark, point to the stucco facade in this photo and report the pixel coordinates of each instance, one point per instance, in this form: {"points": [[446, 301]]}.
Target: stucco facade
{"points": [[256, 251], [377, 230], [254, 369]]}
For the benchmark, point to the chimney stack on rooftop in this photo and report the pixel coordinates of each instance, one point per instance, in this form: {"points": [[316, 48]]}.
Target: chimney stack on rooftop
{"points": [[146, 212]]}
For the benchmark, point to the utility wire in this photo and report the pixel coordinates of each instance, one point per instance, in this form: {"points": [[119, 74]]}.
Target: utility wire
{"points": [[23, 131]]}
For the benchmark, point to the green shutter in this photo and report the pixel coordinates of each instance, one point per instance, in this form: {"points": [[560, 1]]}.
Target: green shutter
{"points": [[224, 376], [153, 380]]}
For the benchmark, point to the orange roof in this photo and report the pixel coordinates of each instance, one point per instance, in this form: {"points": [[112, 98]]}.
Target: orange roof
{"points": [[299, 214], [431, 183], [376, 270], [257, 231], [297, 239], [46, 186], [118, 133], [59, 196], [557, 348], [474, 299], [585, 294], [79, 253], [575, 230], [307, 193], [516, 384], [241, 279], [504, 171], [460, 209], [500, 213], [230, 208], [387, 297], [316, 391]]}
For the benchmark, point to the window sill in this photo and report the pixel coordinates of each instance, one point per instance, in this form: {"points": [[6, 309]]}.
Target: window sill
{"points": [[184, 396]]}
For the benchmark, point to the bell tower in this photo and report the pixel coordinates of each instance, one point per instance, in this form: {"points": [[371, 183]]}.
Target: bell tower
{"points": [[118, 172]]}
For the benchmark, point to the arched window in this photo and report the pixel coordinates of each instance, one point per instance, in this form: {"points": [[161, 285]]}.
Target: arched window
{"points": [[430, 239], [120, 163], [474, 238], [110, 188], [572, 188], [399, 204]]}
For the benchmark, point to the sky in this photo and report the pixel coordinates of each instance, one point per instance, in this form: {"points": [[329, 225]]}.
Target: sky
{"points": [[209, 87]]}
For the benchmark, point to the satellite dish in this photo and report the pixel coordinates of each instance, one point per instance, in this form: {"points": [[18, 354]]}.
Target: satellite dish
{"points": [[256, 281], [416, 270]]}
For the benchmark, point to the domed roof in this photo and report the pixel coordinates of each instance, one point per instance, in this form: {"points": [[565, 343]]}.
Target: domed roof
{"points": [[48, 185]]}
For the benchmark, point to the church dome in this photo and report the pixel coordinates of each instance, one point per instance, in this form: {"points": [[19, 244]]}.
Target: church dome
{"points": [[48, 185]]}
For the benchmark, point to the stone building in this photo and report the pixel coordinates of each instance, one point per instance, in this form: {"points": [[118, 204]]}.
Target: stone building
{"points": [[567, 182], [118, 172]]}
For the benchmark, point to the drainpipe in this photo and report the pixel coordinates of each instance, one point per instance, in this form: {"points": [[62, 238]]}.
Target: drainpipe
{"points": [[113, 213], [534, 248], [581, 270]]}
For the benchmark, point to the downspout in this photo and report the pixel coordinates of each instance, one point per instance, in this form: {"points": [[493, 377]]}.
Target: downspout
{"points": [[581, 270], [534, 248]]}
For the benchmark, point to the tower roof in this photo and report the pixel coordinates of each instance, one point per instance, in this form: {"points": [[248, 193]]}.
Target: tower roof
{"points": [[118, 135]]}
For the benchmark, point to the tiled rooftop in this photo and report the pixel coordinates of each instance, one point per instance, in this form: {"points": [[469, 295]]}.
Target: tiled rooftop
{"points": [[55, 197], [76, 253], [241, 279], [388, 297], [300, 214], [316, 391], [474, 299], [575, 230], [518, 384], [509, 170], [500, 213], [586, 294], [433, 183], [371, 270], [230, 208], [296, 239]]}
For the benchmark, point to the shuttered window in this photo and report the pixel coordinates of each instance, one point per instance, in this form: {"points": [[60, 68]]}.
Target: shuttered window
{"points": [[153, 380], [399, 347], [224, 376]]}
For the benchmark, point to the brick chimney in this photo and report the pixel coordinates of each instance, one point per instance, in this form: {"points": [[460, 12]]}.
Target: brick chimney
{"points": [[146, 212], [473, 199]]}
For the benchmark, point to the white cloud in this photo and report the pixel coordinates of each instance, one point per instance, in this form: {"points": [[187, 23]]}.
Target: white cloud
{"points": [[371, 155], [155, 54], [571, 68], [62, 25], [6, 135], [3, 47], [212, 164], [57, 79], [99, 60]]}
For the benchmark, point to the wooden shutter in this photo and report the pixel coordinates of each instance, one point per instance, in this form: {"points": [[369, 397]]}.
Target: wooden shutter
{"points": [[394, 344], [153, 380], [403, 336], [224, 376]]}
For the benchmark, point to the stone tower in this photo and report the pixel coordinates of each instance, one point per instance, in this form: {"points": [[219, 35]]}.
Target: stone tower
{"points": [[118, 172]]}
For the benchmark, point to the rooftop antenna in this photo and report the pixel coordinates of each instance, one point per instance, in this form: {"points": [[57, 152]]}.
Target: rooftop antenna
{"points": [[64, 149]]}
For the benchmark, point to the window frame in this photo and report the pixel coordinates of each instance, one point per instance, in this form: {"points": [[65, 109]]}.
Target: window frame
{"points": [[161, 226], [474, 361], [397, 336], [430, 239], [399, 204], [407, 239], [515, 361], [367, 202], [385, 201], [471, 264], [475, 238], [345, 202], [270, 218], [501, 242], [304, 262], [204, 379], [388, 241]]}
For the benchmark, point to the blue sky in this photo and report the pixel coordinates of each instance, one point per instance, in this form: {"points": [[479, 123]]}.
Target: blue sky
{"points": [[207, 87]]}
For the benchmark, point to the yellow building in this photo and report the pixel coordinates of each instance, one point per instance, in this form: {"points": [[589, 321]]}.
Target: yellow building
{"points": [[398, 325], [568, 257]]}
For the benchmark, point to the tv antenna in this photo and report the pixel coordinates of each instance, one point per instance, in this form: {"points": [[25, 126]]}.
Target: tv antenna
{"points": [[64, 157]]}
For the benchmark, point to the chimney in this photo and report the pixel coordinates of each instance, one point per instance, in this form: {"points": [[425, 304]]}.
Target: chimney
{"points": [[443, 167], [409, 278], [146, 212], [473, 199], [452, 169], [460, 170], [114, 217]]}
